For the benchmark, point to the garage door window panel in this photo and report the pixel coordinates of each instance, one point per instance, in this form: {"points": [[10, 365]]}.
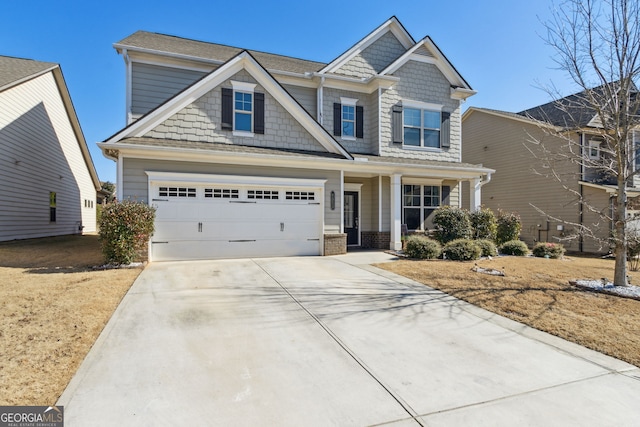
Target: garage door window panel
{"points": [[221, 193], [189, 192]]}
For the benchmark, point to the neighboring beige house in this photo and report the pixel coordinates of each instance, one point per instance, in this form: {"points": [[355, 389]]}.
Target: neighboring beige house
{"points": [[249, 154], [48, 182], [550, 208]]}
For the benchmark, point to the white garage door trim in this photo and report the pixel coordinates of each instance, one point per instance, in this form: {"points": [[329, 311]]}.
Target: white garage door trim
{"points": [[299, 238]]}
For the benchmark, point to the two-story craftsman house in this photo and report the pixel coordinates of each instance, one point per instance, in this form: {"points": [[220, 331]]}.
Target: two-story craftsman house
{"points": [[249, 154]]}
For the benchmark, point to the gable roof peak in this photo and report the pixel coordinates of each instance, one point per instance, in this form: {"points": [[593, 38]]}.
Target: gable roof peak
{"points": [[392, 25]]}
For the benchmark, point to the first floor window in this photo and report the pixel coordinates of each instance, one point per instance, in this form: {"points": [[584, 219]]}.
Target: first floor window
{"points": [[418, 204]]}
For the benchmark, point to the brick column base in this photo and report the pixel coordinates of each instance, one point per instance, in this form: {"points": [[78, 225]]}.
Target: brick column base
{"points": [[335, 244], [375, 239]]}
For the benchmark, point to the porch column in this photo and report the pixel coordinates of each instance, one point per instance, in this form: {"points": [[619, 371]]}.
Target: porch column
{"points": [[475, 191], [396, 212]]}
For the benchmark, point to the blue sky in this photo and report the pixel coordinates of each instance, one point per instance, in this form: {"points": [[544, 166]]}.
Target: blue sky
{"points": [[495, 44]]}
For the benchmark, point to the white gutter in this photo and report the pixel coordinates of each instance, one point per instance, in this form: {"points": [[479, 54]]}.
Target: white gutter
{"points": [[356, 165]]}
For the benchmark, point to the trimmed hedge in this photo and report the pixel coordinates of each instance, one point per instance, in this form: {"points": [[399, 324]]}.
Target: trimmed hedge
{"points": [[125, 229], [461, 250], [548, 250], [484, 224], [487, 247], [514, 247], [451, 223], [422, 247], [509, 227]]}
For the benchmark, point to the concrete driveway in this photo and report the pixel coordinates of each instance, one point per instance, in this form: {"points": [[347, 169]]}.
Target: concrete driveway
{"points": [[331, 341]]}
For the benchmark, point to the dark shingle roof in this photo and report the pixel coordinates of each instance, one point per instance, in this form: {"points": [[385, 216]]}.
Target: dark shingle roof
{"points": [[568, 112], [212, 51], [574, 111], [227, 148], [13, 70]]}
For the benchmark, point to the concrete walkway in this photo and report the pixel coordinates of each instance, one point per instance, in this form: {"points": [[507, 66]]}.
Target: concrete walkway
{"points": [[319, 341]]}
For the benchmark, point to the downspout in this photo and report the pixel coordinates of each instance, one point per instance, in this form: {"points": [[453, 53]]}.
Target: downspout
{"points": [[321, 102], [127, 61]]}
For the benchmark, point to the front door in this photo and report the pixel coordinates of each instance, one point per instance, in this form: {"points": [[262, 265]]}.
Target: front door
{"points": [[351, 217]]}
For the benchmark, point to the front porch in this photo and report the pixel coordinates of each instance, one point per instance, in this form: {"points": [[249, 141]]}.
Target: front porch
{"points": [[378, 208]]}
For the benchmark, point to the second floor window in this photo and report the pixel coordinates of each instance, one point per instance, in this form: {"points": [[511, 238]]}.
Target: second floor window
{"points": [[243, 111], [348, 120], [421, 128]]}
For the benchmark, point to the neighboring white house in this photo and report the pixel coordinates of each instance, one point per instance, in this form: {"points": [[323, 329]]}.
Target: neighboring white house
{"points": [[249, 154], [48, 182]]}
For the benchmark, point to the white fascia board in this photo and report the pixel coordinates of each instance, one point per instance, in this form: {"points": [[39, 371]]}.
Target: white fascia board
{"points": [[243, 61], [522, 119], [145, 124], [271, 85], [242, 180], [439, 60], [130, 49], [253, 159], [390, 25]]}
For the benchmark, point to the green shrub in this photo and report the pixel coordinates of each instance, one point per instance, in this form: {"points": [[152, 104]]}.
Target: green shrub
{"points": [[484, 224], [487, 247], [422, 247], [451, 223], [514, 247], [508, 227], [548, 250], [125, 229], [461, 250]]}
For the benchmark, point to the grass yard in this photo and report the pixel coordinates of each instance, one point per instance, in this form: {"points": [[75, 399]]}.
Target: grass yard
{"points": [[536, 292], [54, 306]]}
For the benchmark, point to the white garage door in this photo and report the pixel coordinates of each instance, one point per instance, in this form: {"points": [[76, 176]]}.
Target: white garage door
{"points": [[234, 220]]}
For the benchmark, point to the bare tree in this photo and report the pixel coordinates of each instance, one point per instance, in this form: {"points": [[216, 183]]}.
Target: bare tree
{"points": [[597, 43]]}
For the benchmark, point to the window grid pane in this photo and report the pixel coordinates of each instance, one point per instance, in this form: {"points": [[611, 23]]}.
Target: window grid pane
{"points": [[348, 120], [243, 115]]}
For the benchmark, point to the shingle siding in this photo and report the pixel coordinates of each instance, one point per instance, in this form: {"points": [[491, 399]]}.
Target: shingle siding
{"points": [[424, 83], [366, 145], [374, 58], [200, 122], [39, 153]]}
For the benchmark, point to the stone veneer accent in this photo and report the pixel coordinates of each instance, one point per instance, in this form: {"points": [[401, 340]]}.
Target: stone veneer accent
{"points": [[375, 239], [335, 244]]}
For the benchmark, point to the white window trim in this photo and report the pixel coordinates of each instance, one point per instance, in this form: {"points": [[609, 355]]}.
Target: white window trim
{"points": [[349, 102], [422, 183], [594, 144], [246, 88], [418, 105]]}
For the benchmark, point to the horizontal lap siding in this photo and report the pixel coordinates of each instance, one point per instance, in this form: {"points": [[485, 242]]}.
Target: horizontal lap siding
{"points": [[519, 184], [39, 153], [135, 180], [307, 97], [152, 85]]}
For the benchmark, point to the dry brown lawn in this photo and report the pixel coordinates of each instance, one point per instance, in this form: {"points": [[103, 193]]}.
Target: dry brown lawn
{"points": [[536, 292], [54, 306]]}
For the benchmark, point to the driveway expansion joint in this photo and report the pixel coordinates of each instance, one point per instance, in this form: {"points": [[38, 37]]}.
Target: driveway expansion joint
{"points": [[405, 406]]}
